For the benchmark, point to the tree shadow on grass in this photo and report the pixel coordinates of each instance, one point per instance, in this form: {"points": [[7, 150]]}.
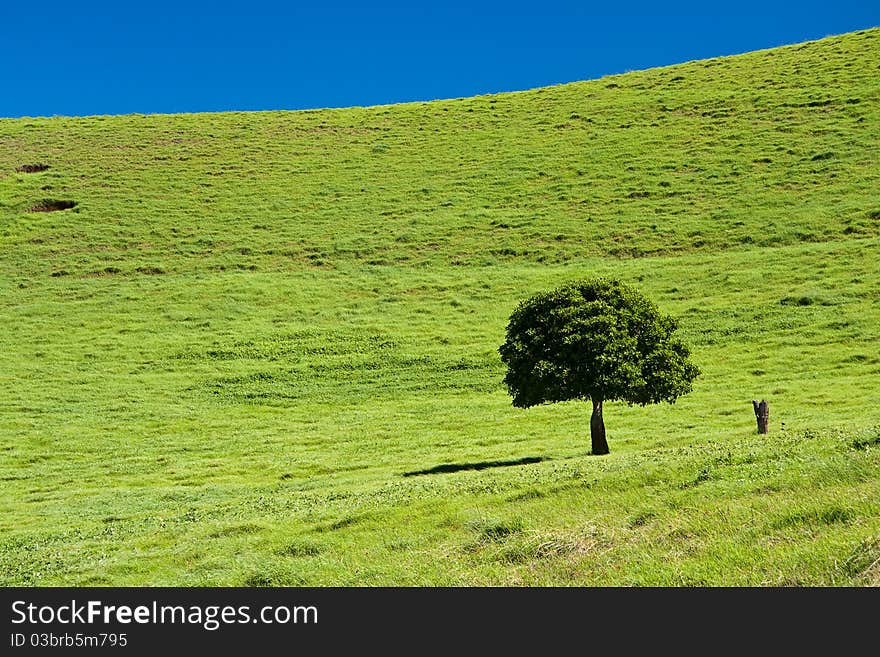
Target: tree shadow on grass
{"points": [[482, 465]]}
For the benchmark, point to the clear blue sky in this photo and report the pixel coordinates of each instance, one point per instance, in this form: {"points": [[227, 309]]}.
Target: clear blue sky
{"points": [[155, 56]]}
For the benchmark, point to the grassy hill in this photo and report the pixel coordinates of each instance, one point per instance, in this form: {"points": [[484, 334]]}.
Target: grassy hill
{"points": [[261, 348]]}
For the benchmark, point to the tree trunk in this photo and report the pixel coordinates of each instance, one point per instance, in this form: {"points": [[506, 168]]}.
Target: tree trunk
{"points": [[762, 415], [597, 429]]}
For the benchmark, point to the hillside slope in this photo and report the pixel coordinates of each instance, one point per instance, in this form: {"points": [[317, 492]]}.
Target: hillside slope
{"points": [[768, 148], [261, 348]]}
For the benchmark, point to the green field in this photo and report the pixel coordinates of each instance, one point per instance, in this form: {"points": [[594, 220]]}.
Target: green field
{"points": [[262, 349]]}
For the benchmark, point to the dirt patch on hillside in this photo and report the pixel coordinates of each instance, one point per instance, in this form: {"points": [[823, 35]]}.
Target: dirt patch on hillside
{"points": [[150, 271], [32, 168], [52, 205]]}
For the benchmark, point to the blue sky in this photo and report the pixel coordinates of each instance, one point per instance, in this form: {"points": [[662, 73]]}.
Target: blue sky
{"points": [[84, 58]]}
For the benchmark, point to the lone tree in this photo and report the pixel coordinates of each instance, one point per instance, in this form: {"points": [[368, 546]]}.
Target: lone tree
{"points": [[595, 339]]}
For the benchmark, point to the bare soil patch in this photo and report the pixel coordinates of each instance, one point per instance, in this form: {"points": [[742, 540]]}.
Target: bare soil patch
{"points": [[52, 205], [31, 168]]}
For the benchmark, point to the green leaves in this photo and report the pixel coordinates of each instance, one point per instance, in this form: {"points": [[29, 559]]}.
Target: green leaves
{"points": [[594, 339]]}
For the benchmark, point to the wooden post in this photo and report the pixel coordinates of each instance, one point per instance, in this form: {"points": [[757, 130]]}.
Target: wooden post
{"points": [[762, 414]]}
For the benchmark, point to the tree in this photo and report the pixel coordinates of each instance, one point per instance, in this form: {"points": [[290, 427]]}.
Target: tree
{"points": [[596, 340]]}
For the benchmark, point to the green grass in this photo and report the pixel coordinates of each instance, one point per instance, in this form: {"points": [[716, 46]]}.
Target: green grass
{"points": [[226, 364]]}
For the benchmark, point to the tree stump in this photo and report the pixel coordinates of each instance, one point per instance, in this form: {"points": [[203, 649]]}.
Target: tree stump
{"points": [[762, 414]]}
